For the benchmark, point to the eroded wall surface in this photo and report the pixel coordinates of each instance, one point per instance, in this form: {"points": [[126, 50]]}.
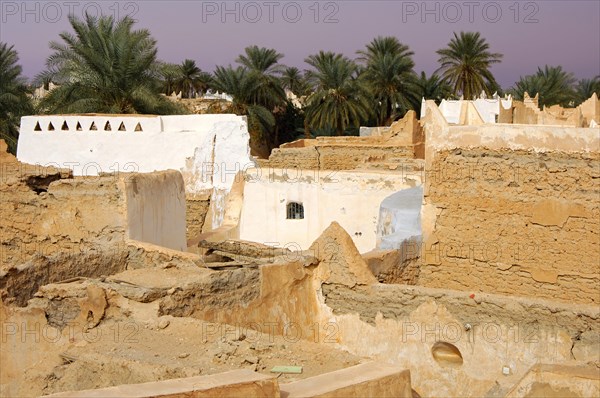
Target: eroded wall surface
{"points": [[350, 154], [513, 210], [156, 209], [380, 148], [328, 294], [55, 226]]}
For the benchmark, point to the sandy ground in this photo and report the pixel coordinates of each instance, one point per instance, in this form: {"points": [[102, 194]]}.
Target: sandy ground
{"points": [[135, 352]]}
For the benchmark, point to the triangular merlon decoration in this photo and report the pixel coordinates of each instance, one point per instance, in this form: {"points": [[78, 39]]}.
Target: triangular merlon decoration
{"points": [[138, 127], [107, 126], [37, 127]]}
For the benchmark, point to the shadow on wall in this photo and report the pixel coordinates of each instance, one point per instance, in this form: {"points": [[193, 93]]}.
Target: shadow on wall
{"points": [[399, 218]]}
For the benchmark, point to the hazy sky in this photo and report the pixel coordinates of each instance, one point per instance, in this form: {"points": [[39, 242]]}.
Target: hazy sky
{"points": [[528, 33]]}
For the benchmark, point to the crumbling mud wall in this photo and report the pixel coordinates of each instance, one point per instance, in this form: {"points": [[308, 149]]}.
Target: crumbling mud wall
{"points": [[404, 139], [196, 209], [492, 335], [590, 110], [557, 381], [55, 227], [515, 222], [279, 295], [512, 210], [271, 299], [331, 296], [346, 156], [528, 112]]}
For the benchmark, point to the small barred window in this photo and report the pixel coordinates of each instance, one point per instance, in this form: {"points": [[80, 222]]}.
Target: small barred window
{"points": [[295, 211]]}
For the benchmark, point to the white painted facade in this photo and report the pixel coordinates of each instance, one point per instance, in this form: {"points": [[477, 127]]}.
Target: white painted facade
{"points": [[208, 150], [352, 198], [400, 218], [488, 108]]}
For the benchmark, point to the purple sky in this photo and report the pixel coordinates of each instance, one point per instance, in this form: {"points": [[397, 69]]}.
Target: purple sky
{"points": [[528, 33]]}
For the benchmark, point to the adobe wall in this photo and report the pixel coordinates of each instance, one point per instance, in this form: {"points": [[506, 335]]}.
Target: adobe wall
{"points": [[404, 139], [351, 155], [530, 198], [195, 213], [400, 324], [156, 209], [528, 112], [55, 226], [524, 114], [46, 211], [557, 115], [235, 383], [202, 147], [327, 294], [472, 112], [590, 110], [558, 381]]}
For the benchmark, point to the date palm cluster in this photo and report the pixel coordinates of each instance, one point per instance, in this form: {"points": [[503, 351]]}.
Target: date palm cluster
{"points": [[107, 66]]}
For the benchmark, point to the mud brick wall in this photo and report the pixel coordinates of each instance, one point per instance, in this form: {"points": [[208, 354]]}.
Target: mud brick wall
{"points": [[45, 211], [515, 222], [196, 209], [342, 157]]}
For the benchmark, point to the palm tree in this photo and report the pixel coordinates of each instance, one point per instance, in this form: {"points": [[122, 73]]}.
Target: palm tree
{"points": [[553, 84], [168, 73], [390, 77], [383, 45], [263, 67], [106, 66], [238, 83], [191, 80], [340, 98], [585, 88], [14, 99], [292, 79], [465, 65], [432, 87]]}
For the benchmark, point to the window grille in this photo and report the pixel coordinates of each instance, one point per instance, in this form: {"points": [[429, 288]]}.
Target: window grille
{"points": [[295, 211]]}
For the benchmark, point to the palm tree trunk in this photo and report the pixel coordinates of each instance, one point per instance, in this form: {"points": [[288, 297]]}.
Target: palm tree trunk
{"points": [[340, 129], [306, 130]]}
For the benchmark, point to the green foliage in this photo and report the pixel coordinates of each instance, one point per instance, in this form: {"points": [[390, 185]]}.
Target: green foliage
{"points": [[341, 98], [289, 124], [168, 74], [390, 77], [14, 99], [105, 67], [553, 84], [293, 80], [585, 88], [264, 71], [241, 85], [190, 80], [465, 64], [431, 88]]}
